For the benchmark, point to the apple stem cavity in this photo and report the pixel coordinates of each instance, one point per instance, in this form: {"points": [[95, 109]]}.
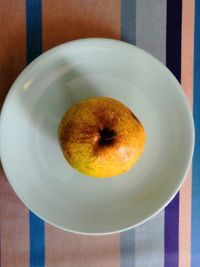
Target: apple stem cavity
{"points": [[107, 136]]}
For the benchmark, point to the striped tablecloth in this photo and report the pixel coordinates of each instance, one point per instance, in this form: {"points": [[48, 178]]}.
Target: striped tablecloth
{"points": [[170, 30]]}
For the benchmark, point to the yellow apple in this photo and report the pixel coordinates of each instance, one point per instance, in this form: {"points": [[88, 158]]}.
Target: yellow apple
{"points": [[101, 137]]}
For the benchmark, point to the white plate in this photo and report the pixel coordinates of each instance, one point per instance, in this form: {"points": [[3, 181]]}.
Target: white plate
{"points": [[33, 161]]}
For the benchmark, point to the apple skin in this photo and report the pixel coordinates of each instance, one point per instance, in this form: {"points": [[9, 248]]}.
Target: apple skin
{"points": [[101, 137]]}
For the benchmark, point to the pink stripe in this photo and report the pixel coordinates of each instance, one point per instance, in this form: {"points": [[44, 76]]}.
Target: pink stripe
{"points": [[67, 249], [14, 228], [187, 83], [187, 48]]}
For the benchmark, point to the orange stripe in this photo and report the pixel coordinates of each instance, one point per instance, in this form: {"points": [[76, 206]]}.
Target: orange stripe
{"points": [[14, 228], [13, 39], [187, 83], [64, 21], [66, 249], [14, 215]]}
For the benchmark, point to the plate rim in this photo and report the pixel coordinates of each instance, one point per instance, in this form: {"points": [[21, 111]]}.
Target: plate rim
{"points": [[100, 41]]}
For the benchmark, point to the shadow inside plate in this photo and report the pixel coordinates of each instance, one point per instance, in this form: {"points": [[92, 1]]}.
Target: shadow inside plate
{"points": [[51, 95]]}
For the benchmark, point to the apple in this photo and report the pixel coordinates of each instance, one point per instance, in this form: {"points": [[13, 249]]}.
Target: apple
{"points": [[101, 137]]}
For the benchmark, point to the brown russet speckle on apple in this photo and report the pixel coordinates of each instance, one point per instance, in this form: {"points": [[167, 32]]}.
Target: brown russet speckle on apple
{"points": [[101, 137]]}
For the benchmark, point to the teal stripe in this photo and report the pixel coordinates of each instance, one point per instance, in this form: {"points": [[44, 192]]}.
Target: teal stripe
{"points": [[128, 21], [151, 27], [127, 249], [128, 34], [145, 27], [151, 36], [195, 235], [34, 49]]}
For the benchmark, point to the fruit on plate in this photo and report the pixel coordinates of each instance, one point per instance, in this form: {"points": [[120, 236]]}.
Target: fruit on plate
{"points": [[101, 137]]}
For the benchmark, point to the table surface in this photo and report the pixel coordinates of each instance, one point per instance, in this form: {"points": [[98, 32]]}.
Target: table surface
{"points": [[169, 30]]}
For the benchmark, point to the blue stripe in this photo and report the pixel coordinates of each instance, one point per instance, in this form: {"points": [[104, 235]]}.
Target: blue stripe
{"points": [[128, 21], [33, 29], [195, 257], [37, 242], [34, 49]]}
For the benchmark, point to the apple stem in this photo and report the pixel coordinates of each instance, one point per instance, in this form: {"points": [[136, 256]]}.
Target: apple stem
{"points": [[107, 136]]}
